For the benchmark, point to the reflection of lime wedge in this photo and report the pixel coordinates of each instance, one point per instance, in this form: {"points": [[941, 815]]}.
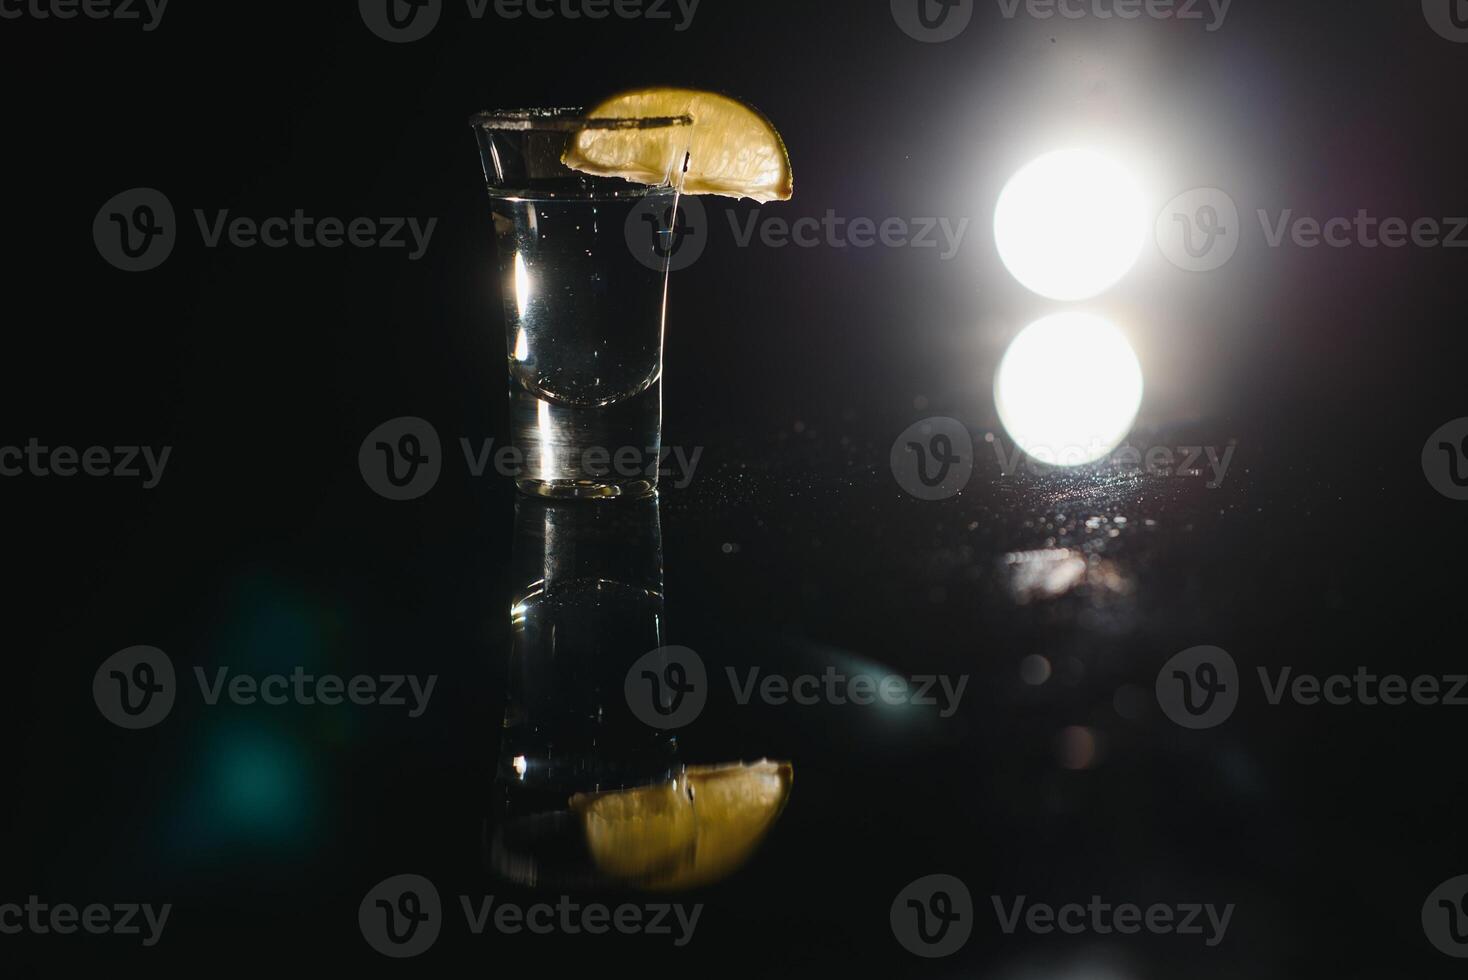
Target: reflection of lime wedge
{"points": [[730, 148], [686, 833]]}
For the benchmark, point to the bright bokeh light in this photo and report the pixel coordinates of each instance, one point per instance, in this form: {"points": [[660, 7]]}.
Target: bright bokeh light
{"points": [[1071, 223], [1068, 389]]}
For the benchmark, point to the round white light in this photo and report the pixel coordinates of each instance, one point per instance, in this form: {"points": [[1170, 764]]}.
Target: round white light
{"points": [[1070, 224], [1068, 389]]}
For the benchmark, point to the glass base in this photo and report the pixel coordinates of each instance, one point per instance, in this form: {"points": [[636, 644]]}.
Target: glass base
{"points": [[586, 489], [587, 452]]}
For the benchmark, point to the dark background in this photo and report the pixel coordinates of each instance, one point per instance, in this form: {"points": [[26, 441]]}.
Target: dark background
{"points": [[262, 548]]}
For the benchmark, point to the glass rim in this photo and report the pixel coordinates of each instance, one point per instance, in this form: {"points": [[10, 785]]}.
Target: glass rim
{"points": [[565, 120]]}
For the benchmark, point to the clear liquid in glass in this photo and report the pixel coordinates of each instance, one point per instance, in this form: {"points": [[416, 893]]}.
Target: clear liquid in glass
{"points": [[584, 317]]}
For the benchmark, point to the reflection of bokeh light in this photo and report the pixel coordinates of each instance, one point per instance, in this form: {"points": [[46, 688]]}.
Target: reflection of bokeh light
{"points": [[255, 787], [1035, 670], [1068, 389], [1070, 224], [1076, 747]]}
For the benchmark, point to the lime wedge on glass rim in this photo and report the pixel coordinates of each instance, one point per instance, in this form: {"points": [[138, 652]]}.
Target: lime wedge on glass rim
{"points": [[728, 148]]}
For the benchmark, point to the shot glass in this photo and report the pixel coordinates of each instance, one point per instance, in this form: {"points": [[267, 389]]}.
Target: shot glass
{"points": [[583, 268]]}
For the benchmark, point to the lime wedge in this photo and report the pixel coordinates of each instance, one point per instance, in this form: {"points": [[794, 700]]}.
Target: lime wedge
{"points": [[729, 148], [688, 832]]}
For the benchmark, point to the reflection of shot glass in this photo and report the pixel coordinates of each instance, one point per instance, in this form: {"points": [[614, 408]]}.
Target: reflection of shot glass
{"points": [[584, 311], [588, 603]]}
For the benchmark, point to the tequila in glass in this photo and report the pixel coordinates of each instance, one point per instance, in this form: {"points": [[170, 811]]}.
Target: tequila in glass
{"points": [[584, 306]]}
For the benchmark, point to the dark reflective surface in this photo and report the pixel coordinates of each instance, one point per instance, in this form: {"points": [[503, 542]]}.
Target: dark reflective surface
{"points": [[1055, 599]]}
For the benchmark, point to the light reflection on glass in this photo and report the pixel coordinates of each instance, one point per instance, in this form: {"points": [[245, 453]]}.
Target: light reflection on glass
{"points": [[522, 294]]}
